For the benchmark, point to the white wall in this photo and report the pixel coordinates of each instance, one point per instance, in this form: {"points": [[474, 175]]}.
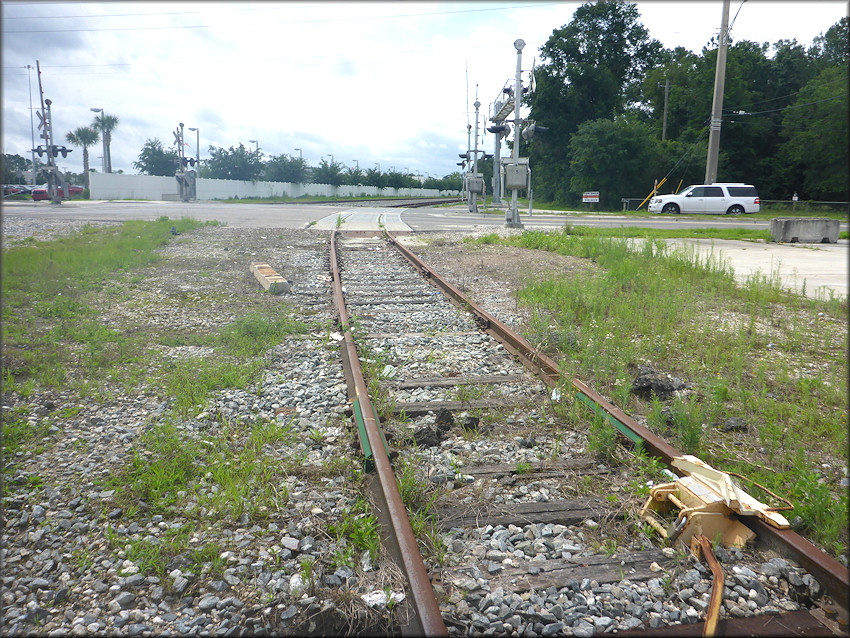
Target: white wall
{"points": [[120, 186]]}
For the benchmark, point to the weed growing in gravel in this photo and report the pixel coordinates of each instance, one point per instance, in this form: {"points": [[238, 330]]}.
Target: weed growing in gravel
{"points": [[207, 559], [189, 381], [20, 432], [359, 527], [522, 467], [253, 334], [602, 438], [419, 498]]}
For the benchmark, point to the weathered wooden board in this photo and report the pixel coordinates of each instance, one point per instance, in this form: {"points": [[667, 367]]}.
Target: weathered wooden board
{"points": [[538, 470], [609, 570], [448, 382], [416, 408], [564, 512]]}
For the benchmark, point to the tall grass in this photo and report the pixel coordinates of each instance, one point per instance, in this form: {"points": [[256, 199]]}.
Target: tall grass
{"points": [[752, 351]]}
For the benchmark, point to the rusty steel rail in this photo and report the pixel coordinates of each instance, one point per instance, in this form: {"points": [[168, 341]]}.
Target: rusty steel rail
{"points": [[428, 620], [834, 576]]}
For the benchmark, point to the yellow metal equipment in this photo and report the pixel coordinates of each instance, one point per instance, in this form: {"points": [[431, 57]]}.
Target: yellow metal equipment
{"points": [[706, 498]]}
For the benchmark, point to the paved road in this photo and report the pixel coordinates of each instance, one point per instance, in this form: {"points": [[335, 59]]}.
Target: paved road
{"points": [[820, 267]]}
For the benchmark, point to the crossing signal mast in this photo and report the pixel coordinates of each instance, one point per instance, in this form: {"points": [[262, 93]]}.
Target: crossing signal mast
{"points": [[56, 185], [514, 169], [185, 177], [473, 181]]}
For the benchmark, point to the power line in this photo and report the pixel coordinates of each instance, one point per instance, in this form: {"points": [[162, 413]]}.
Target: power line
{"points": [[310, 21], [782, 97], [792, 106]]}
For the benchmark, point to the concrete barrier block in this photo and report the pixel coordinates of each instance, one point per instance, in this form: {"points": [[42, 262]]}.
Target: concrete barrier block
{"points": [[812, 230]]}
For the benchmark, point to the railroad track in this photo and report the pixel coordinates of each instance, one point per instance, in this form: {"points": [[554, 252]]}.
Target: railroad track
{"points": [[498, 472]]}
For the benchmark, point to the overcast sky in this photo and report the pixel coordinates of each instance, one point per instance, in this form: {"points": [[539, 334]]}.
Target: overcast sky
{"points": [[382, 83]]}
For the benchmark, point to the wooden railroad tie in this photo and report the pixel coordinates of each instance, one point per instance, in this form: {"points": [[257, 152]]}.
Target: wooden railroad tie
{"points": [[269, 279]]}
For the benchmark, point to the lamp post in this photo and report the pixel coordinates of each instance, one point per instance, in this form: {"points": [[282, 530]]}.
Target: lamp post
{"points": [[357, 164], [378, 164], [258, 147], [102, 133], [197, 147], [332, 158], [300, 156]]}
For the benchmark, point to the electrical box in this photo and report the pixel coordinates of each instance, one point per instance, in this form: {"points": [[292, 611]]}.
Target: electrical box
{"points": [[475, 185], [516, 176]]}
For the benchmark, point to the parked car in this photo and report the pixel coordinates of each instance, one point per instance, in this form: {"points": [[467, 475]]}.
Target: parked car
{"points": [[717, 199], [16, 189], [40, 193]]}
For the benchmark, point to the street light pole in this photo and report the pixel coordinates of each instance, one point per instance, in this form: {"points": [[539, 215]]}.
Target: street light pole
{"points": [[258, 147], [102, 134]]}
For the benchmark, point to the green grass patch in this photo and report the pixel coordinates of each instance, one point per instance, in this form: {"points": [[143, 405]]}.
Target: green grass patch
{"points": [[226, 477], [49, 324]]}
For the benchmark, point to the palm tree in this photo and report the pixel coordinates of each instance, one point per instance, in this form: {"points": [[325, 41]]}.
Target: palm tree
{"points": [[84, 136], [106, 124]]}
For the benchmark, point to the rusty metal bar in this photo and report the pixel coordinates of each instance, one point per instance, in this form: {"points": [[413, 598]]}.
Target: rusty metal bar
{"points": [[421, 592], [834, 576], [712, 614]]}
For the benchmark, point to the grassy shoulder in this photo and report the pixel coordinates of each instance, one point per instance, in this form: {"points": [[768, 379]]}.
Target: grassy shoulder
{"points": [[767, 369]]}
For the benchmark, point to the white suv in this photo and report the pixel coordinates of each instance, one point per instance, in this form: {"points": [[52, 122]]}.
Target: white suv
{"points": [[717, 199]]}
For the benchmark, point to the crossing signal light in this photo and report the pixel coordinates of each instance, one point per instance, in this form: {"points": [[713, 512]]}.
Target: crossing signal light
{"points": [[534, 129], [56, 150]]}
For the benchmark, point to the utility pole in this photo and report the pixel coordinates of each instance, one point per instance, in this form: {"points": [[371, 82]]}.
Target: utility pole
{"points": [[666, 98], [717, 107], [32, 126]]}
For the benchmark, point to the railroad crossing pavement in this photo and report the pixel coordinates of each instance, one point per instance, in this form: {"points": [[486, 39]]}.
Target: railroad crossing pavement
{"points": [[363, 219]]}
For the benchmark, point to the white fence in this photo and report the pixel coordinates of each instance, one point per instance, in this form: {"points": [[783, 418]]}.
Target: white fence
{"points": [[121, 186]]}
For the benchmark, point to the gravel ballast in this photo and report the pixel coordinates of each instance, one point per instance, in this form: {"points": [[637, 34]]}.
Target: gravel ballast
{"points": [[77, 558]]}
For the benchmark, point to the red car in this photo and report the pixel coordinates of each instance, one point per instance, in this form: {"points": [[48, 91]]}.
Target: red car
{"points": [[41, 192]]}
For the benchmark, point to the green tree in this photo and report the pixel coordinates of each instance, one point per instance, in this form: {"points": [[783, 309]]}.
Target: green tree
{"points": [[106, 124], [329, 173], [615, 157], [374, 177], [833, 48], [155, 160], [83, 136], [286, 168], [354, 176], [14, 167], [816, 130], [591, 69], [233, 163]]}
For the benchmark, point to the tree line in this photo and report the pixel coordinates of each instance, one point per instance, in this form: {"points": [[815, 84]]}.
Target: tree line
{"points": [[600, 91], [244, 163]]}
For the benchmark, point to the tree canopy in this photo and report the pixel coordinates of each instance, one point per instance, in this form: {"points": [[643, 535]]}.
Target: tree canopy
{"points": [[155, 160], [600, 91]]}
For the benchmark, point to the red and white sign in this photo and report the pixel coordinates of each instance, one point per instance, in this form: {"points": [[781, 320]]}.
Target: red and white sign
{"points": [[590, 197]]}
